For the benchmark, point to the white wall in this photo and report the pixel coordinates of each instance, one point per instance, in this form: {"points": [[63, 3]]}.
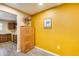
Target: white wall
{"points": [[5, 27]]}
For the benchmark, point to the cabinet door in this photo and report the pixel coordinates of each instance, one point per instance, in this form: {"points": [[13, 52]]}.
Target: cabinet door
{"points": [[0, 39], [27, 38], [15, 38], [11, 26], [4, 38], [9, 37]]}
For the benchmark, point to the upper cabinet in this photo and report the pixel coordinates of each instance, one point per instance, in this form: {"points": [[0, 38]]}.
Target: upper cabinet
{"points": [[12, 26]]}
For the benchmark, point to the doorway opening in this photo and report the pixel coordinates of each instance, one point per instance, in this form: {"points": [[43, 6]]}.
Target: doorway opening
{"points": [[8, 33]]}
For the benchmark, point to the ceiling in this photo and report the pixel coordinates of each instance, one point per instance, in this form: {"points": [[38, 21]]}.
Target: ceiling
{"points": [[7, 16], [32, 8]]}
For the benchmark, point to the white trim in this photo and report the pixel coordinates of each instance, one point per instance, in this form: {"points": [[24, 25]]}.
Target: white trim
{"points": [[46, 51], [18, 50]]}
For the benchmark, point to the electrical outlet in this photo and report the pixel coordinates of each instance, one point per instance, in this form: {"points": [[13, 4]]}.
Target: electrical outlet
{"points": [[58, 47]]}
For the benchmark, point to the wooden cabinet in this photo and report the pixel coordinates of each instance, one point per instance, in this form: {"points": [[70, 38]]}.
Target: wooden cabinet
{"points": [[14, 38], [9, 37], [5, 37], [11, 26], [27, 38]]}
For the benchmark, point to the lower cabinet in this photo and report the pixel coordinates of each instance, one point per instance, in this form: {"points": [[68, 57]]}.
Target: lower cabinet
{"points": [[14, 38], [5, 37], [9, 37]]}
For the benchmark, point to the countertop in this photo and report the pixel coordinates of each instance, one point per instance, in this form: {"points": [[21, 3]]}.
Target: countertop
{"points": [[9, 33]]}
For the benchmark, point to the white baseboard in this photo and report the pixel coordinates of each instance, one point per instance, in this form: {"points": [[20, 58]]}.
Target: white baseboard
{"points": [[46, 51]]}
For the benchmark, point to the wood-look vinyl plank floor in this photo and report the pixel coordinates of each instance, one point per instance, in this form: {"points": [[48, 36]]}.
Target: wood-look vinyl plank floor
{"points": [[10, 49]]}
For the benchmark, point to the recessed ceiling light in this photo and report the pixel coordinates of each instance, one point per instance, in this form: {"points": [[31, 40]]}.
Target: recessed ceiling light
{"points": [[40, 4]]}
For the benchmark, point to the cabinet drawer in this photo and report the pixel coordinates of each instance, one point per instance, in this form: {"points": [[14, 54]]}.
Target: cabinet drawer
{"points": [[27, 46]]}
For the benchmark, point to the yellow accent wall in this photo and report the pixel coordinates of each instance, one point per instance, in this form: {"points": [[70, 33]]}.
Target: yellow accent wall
{"points": [[63, 37]]}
